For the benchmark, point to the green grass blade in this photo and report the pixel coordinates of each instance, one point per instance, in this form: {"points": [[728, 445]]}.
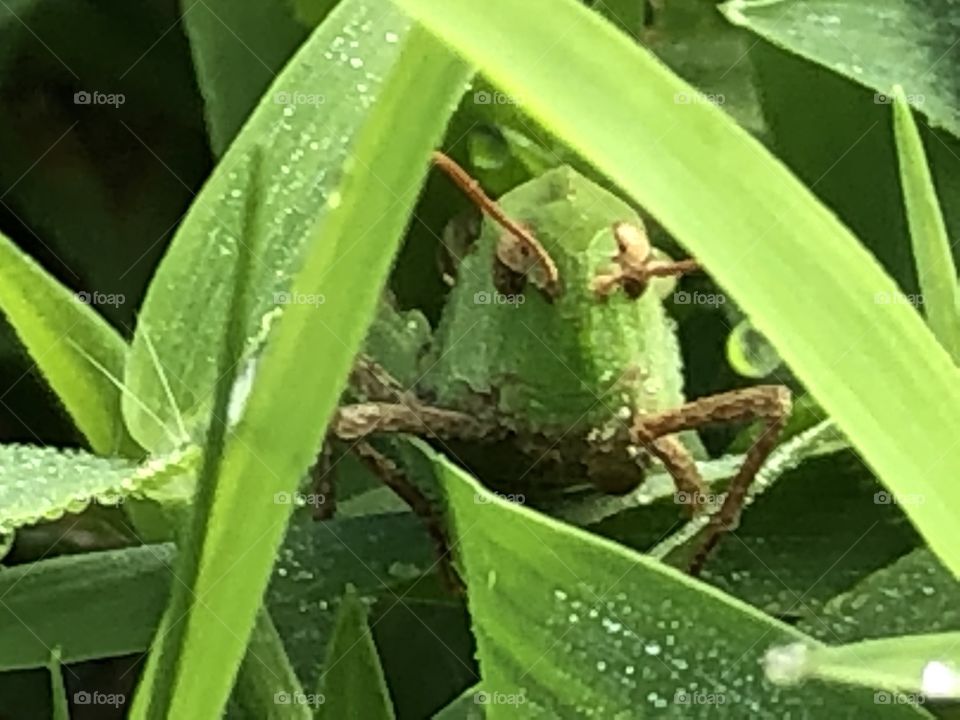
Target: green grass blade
{"points": [[58, 691], [924, 666], [464, 707], [57, 328], [800, 275], [107, 604], [92, 605], [306, 138], [353, 684], [237, 49], [171, 645], [928, 231], [267, 679], [280, 431]]}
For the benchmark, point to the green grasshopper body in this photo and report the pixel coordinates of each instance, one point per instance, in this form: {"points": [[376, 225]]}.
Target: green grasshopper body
{"points": [[576, 362]]}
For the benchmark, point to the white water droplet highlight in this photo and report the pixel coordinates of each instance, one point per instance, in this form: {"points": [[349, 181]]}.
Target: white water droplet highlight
{"points": [[786, 664]]}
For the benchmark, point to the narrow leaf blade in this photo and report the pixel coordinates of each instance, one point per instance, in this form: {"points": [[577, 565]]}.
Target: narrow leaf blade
{"points": [[60, 330], [280, 431], [928, 231]]}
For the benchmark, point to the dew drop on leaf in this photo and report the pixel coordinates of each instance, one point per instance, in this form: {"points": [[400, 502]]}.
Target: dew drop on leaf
{"points": [[786, 664]]}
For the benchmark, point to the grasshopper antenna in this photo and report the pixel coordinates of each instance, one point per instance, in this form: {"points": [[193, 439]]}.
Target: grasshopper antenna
{"points": [[121, 386], [471, 188], [165, 383]]}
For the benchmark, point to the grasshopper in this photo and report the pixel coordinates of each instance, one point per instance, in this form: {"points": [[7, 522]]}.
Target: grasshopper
{"points": [[555, 338]]}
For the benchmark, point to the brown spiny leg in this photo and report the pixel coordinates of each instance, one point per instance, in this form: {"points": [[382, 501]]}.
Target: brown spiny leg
{"points": [[390, 408], [769, 403], [395, 479], [395, 410], [372, 381], [518, 250], [359, 420], [678, 461]]}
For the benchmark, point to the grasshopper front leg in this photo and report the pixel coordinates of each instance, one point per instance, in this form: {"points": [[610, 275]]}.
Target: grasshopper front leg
{"points": [[769, 403], [392, 409]]}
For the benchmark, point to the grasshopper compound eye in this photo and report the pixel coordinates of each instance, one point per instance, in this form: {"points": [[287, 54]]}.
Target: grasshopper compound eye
{"points": [[633, 244]]}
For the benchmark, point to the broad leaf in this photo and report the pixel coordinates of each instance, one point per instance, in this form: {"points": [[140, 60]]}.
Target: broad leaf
{"points": [[928, 231], [62, 331], [876, 44], [566, 622], [377, 554], [91, 606]]}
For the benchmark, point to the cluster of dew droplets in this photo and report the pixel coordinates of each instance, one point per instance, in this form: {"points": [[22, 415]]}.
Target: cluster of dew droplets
{"points": [[309, 129], [311, 571], [294, 580], [657, 663], [45, 483]]}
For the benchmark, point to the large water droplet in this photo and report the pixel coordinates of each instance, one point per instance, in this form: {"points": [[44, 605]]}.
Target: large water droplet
{"points": [[786, 664], [940, 680]]}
